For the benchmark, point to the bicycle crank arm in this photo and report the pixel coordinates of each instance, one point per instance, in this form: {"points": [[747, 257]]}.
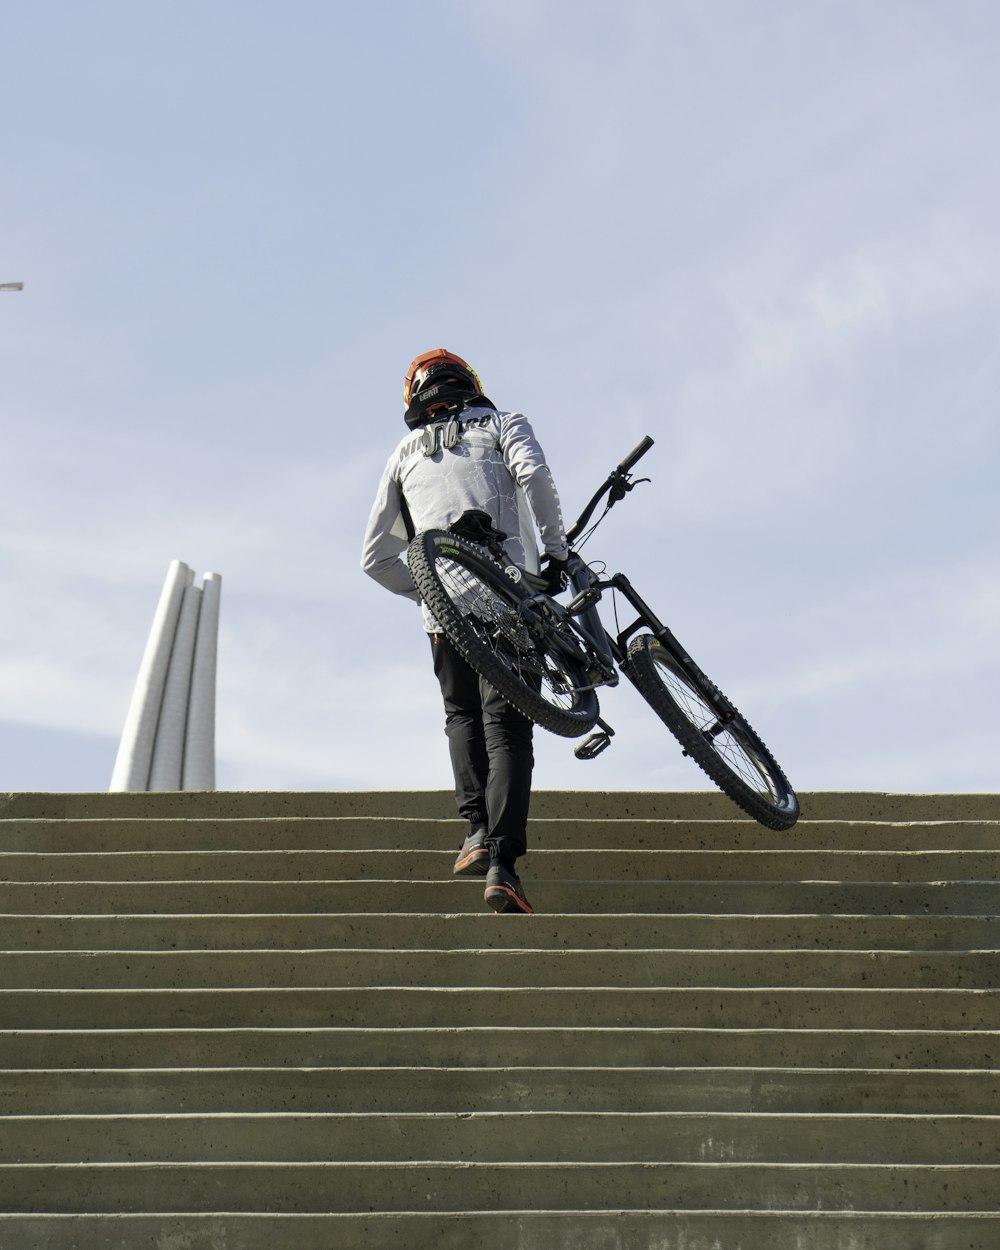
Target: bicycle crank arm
{"points": [[535, 614]]}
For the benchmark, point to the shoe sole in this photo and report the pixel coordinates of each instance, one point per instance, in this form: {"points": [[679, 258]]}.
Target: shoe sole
{"points": [[475, 864], [503, 900]]}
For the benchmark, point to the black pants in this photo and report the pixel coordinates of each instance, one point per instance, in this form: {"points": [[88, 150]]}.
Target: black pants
{"points": [[491, 752]]}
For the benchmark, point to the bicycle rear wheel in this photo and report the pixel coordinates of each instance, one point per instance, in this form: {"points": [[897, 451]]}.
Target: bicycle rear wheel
{"points": [[730, 752], [538, 666]]}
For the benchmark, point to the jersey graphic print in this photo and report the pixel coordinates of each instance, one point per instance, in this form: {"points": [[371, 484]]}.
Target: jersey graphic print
{"points": [[489, 462]]}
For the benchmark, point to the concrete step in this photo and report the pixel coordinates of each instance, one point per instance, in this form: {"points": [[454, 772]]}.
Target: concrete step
{"points": [[453, 1007], [480, 930], [642, 1229], [107, 1091], [540, 866], [465, 895], [278, 833], [387, 1186], [263, 969], [479, 1137], [710, 1035], [584, 1046], [625, 805]]}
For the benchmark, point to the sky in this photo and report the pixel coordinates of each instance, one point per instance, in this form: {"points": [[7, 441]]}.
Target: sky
{"points": [[765, 234]]}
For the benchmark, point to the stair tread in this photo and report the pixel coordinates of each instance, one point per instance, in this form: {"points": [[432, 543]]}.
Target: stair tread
{"points": [[706, 1022]]}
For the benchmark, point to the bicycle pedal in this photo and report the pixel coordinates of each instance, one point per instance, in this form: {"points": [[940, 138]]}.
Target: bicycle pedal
{"points": [[592, 746], [585, 599], [595, 743]]}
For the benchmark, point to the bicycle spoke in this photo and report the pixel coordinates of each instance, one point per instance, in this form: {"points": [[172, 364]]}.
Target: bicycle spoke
{"points": [[499, 623], [723, 739]]}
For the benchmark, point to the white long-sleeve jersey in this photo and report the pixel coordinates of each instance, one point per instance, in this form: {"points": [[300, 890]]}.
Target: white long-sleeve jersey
{"points": [[482, 460]]}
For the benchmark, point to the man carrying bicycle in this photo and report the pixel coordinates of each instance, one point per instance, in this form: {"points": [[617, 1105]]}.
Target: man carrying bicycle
{"points": [[462, 456]]}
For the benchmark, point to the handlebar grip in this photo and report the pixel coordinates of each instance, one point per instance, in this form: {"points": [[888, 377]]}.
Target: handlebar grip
{"points": [[635, 454]]}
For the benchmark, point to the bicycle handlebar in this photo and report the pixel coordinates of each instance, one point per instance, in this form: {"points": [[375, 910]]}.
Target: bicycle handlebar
{"points": [[635, 454], [614, 477]]}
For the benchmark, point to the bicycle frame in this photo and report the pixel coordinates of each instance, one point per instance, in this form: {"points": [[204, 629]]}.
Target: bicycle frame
{"points": [[581, 613], [549, 658]]}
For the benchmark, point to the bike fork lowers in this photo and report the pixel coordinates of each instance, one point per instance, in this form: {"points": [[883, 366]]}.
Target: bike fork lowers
{"points": [[723, 709]]}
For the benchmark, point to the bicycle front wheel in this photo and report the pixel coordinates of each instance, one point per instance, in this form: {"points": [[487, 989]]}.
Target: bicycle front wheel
{"points": [[538, 666], [730, 752]]}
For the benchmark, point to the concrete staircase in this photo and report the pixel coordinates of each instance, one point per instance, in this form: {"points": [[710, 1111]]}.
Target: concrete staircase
{"points": [[270, 1021]]}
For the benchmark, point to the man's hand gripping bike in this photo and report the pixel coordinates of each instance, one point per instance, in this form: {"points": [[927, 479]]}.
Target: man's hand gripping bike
{"points": [[548, 658]]}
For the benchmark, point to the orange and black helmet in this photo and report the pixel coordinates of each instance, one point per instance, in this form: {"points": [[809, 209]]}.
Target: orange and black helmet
{"points": [[439, 368]]}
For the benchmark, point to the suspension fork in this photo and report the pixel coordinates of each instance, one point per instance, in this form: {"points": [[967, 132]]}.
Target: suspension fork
{"points": [[648, 619]]}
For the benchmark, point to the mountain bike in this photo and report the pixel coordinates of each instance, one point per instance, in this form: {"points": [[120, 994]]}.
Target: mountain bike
{"points": [[548, 659]]}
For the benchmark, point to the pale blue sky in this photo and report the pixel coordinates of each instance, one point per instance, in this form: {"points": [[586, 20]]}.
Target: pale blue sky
{"points": [[764, 233]]}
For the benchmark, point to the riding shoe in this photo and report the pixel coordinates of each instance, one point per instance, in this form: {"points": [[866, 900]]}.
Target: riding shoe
{"points": [[504, 892], [474, 857]]}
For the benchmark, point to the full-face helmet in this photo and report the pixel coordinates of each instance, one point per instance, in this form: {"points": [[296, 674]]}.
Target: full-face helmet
{"points": [[438, 381]]}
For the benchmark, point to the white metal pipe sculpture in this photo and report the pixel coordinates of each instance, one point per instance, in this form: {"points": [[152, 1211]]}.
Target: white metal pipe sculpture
{"points": [[168, 742], [135, 753], [168, 746], [199, 741]]}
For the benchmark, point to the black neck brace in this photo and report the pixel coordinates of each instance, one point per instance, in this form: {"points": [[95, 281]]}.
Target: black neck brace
{"points": [[443, 403]]}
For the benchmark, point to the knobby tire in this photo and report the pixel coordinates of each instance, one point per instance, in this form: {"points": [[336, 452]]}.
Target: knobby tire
{"points": [[481, 610], [735, 758]]}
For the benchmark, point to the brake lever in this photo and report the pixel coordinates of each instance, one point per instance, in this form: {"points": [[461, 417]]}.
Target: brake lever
{"points": [[622, 486]]}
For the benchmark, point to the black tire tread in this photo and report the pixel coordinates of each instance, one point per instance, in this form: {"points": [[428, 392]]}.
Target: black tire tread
{"points": [[520, 696], [640, 669]]}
